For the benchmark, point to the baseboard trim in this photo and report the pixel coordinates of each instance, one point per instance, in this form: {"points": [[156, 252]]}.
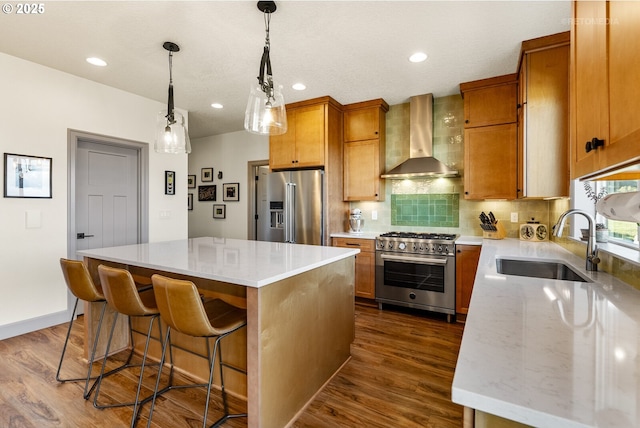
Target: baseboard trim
{"points": [[33, 324]]}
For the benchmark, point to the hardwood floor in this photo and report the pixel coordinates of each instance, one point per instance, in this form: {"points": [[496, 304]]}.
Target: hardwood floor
{"points": [[400, 375]]}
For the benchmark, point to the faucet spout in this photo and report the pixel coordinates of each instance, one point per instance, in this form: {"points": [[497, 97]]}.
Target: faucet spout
{"points": [[592, 258]]}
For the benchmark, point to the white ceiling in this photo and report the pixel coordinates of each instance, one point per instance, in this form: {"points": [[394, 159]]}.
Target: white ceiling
{"points": [[351, 50]]}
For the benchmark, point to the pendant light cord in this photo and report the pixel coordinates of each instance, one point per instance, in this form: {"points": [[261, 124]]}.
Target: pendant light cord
{"points": [[265, 63], [170, 115]]}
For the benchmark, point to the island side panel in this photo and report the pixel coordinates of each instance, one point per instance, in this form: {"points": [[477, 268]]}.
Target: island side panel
{"points": [[299, 334]]}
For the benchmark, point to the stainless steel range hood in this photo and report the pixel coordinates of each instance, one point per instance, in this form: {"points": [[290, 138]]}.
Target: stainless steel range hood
{"points": [[421, 162]]}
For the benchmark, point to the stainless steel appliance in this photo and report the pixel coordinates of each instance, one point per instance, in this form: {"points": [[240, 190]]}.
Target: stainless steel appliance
{"points": [[289, 206], [417, 270]]}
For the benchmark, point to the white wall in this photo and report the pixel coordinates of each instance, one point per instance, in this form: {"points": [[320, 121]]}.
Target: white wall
{"points": [[38, 107], [229, 153]]}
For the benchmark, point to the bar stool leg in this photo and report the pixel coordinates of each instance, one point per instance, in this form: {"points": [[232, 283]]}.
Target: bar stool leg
{"points": [[87, 391], [138, 404], [167, 342]]}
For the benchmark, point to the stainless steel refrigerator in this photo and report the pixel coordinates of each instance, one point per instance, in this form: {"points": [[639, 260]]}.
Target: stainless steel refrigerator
{"points": [[289, 206]]}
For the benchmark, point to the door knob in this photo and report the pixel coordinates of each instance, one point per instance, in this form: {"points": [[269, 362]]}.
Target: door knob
{"points": [[82, 236]]}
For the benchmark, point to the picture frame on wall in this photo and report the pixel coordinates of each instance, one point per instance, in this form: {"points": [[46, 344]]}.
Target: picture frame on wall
{"points": [[191, 181], [207, 193], [206, 175], [169, 182], [27, 176], [219, 211], [190, 201], [231, 192]]}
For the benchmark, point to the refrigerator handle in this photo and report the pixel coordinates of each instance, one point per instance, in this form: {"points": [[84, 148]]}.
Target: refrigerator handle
{"points": [[289, 214]]}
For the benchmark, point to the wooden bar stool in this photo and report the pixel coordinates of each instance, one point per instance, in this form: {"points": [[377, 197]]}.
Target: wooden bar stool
{"points": [[82, 287], [182, 309], [125, 298]]}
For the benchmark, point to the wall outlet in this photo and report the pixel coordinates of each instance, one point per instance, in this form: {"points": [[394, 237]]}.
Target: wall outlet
{"points": [[514, 217], [374, 215], [165, 214]]}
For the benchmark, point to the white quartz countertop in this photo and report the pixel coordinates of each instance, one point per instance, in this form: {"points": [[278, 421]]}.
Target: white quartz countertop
{"points": [[550, 353], [361, 235], [237, 261]]}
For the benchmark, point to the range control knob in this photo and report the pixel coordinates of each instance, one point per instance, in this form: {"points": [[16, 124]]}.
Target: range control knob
{"points": [[402, 246], [439, 248], [412, 296]]}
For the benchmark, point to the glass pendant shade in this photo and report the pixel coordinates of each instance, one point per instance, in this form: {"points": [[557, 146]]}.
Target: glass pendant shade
{"points": [[172, 137], [264, 117]]}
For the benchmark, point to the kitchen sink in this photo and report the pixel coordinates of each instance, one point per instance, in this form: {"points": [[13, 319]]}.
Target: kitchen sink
{"points": [[548, 269]]}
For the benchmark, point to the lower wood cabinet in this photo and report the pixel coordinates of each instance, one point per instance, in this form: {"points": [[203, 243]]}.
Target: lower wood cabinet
{"points": [[365, 277], [467, 257]]}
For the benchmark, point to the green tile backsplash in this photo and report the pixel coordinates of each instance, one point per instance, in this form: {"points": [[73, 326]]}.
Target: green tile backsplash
{"points": [[435, 210]]}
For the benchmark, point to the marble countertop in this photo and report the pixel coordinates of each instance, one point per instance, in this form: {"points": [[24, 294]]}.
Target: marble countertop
{"points": [[550, 353], [237, 261]]}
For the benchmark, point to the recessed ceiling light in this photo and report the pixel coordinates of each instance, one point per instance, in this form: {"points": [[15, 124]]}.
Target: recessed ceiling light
{"points": [[418, 57], [216, 105], [299, 86], [97, 61]]}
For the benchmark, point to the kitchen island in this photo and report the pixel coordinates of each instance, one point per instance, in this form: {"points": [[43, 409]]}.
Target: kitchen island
{"points": [[300, 313], [549, 353]]}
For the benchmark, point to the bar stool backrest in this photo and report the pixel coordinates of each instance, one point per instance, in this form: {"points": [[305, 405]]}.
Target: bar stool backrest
{"points": [[181, 307], [79, 280], [122, 294]]}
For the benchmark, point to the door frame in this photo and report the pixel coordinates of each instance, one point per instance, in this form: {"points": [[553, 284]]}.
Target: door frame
{"points": [[252, 192], [73, 139]]}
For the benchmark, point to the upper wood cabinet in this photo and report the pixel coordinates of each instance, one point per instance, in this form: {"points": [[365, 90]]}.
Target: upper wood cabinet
{"points": [[490, 138], [490, 101], [605, 87], [364, 150], [311, 124], [543, 131]]}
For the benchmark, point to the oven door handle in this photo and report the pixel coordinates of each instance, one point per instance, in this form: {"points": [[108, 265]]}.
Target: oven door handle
{"points": [[413, 259]]}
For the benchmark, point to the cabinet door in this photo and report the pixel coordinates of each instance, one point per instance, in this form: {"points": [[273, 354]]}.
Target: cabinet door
{"points": [[282, 148], [490, 106], [490, 162], [365, 275], [545, 130], [365, 280], [362, 124], [467, 257], [310, 136], [589, 84], [362, 171], [624, 84]]}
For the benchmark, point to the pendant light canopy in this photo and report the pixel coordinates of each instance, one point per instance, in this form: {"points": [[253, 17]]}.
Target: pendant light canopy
{"points": [[266, 112], [172, 135]]}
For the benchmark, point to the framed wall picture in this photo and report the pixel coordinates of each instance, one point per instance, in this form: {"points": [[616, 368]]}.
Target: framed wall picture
{"points": [[207, 193], [219, 211], [27, 176], [231, 192], [191, 181], [169, 182], [206, 174], [190, 201]]}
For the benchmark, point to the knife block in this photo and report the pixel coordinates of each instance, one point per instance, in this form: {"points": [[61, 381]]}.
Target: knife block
{"points": [[499, 233]]}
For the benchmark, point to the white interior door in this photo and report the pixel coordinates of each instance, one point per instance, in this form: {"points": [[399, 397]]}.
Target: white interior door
{"points": [[107, 199]]}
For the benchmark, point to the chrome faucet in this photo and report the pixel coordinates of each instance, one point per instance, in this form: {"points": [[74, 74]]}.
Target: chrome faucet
{"points": [[592, 250]]}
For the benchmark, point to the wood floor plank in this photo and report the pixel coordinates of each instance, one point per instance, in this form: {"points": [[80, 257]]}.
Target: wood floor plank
{"points": [[400, 375]]}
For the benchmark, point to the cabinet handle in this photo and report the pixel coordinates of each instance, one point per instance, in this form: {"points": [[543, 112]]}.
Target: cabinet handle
{"points": [[593, 144], [353, 244], [458, 251], [376, 132], [466, 121]]}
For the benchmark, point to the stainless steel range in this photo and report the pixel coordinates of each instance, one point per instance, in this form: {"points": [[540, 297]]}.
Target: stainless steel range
{"points": [[417, 270]]}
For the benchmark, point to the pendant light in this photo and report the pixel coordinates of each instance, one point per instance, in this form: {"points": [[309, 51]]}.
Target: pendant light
{"points": [[266, 114], [172, 135]]}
